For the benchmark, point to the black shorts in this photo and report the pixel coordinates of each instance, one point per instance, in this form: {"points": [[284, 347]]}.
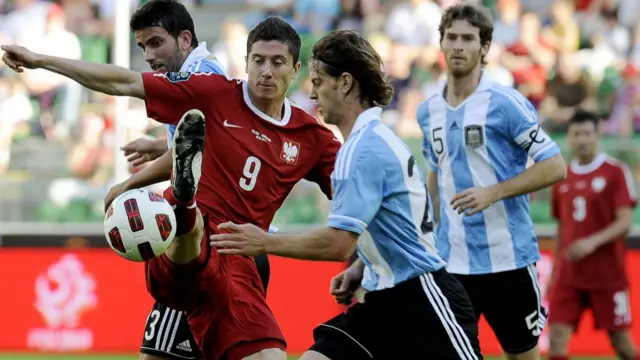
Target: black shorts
{"points": [[511, 301], [167, 333], [426, 317]]}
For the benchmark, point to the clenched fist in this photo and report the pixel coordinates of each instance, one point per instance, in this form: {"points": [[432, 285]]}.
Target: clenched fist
{"points": [[18, 57]]}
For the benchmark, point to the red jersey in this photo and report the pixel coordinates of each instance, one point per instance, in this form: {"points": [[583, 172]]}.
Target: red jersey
{"points": [[584, 204], [250, 164], [250, 160]]}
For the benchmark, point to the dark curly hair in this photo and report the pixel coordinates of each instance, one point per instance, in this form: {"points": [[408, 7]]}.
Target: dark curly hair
{"points": [[346, 51], [168, 14]]}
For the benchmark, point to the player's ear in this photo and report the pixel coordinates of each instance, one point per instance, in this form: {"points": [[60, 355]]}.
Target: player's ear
{"points": [[246, 64], [296, 70], [484, 50], [346, 82], [184, 40]]}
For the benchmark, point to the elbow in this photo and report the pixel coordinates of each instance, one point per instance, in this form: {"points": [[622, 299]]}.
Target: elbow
{"points": [[345, 255]]}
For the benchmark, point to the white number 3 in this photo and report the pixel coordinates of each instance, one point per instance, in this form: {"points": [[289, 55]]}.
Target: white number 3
{"points": [[579, 208], [250, 173]]}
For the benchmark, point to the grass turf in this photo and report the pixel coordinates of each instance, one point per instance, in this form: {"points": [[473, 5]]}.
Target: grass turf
{"points": [[31, 356]]}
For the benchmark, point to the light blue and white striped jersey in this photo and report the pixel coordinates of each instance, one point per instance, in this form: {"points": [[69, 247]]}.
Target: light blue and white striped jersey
{"points": [[199, 60], [485, 140], [378, 186]]}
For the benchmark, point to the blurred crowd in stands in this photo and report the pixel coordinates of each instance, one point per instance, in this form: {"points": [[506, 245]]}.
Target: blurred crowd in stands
{"points": [[57, 140]]}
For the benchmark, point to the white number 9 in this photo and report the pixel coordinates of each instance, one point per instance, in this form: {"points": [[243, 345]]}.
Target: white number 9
{"points": [[250, 173]]}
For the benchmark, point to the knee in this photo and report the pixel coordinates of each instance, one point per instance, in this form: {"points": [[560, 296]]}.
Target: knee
{"points": [[559, 336], [623, 345]]}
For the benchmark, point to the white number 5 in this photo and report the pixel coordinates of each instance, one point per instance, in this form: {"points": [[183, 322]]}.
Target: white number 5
{"points": [[250, 172]]}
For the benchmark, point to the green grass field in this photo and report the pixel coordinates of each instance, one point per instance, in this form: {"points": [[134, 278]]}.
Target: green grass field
{"points": [[135, 357]]}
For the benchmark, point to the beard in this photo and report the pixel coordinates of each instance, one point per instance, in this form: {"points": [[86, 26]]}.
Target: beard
{"points": [[466, 68]]}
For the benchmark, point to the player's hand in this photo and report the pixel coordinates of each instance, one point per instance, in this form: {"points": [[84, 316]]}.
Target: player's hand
{"points": [[143, 150], [18, 57], [580, 249], [345, 284], [474, 200], [114, 192], [244, 239]]}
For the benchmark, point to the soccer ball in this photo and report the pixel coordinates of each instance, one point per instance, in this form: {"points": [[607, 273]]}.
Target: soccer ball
{"points": [[139, 225]]}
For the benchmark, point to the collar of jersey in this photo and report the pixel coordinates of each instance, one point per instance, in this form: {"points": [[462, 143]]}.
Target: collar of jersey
{"points": [[365, 118], [590, 167], [196, 54], [485, 84], [287, 108]]}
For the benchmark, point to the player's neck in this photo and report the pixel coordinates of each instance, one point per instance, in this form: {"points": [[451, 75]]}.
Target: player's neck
{"points": [[349, 117], [460, 88], [273, 108], [587, 159]]}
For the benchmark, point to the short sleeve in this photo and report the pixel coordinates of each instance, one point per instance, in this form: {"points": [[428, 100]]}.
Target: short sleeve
{"points": [[358, 191], [169, 95], [423, 116], [523, 128], [625, 192]]}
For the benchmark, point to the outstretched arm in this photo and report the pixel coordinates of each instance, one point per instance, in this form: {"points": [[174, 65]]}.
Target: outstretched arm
{"points": [[104, 78]]}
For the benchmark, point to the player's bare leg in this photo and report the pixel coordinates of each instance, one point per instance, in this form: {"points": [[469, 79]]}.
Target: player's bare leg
{"points": [[533, 354], [559, 336], [313, 355], [623, 345], [188, 145], [267, 354]]}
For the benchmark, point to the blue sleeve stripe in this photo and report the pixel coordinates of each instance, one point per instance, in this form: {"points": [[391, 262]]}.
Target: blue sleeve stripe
{"points": [[345, 156], [347, 223], [518, 104], [546, 152]]}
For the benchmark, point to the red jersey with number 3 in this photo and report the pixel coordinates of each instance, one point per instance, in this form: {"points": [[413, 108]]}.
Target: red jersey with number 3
{"points": [[251, 161], [585, 203]]}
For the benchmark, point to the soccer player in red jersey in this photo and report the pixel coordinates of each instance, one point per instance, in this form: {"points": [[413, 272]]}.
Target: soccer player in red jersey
{"points": [[242, 146], [593, 206]]}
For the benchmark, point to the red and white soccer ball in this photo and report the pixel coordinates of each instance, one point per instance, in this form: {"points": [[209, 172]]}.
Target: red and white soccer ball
{"points": [[139, 225]]}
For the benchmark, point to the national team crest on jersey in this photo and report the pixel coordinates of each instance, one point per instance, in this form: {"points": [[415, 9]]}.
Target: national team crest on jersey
{"points": [[290, 152], [473, 136], [598, 183]]}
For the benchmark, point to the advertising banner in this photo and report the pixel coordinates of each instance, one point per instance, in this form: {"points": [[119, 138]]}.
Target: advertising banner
{"points": [[71, 300], [56, 299]]}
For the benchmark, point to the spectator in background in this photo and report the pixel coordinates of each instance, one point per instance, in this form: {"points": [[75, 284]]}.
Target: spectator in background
{"points": [[506, 28], [14, 110], [315, 17], [563, 34], [614, 34], [495, 69], [414, 23], [625, 118], [569, 88], [231, 49], [530, 59], [351, 16]]}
